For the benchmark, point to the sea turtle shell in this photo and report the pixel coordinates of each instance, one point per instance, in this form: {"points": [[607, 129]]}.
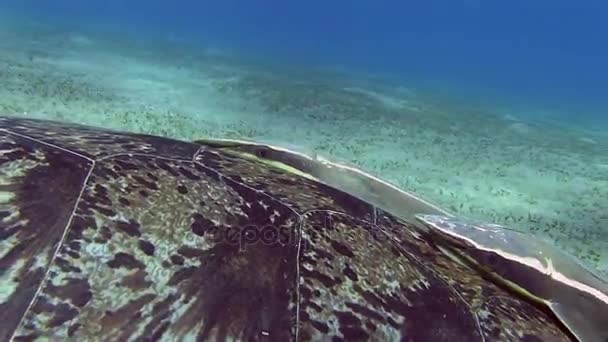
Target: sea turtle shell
{"points": [[114, 236], [533, 267]]}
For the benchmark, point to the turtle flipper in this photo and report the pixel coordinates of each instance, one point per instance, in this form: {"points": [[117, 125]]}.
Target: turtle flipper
{"points": [[585, 317]]}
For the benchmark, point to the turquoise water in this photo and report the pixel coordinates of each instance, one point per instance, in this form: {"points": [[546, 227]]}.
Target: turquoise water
{"points": [[541, 53], [496, 111]]}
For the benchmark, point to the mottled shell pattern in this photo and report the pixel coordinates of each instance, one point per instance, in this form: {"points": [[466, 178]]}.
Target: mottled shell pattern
{"points": [[108, 236]]}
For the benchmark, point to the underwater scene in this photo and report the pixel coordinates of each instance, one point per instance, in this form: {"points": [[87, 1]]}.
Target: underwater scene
{"points": [[494, 112]]}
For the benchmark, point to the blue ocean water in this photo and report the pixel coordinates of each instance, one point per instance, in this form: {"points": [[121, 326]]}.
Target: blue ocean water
{"points": [[543, 53]]}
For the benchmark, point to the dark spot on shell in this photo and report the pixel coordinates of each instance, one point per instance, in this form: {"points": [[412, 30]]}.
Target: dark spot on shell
{"points": [[101, 190], [147, 247], [190, 252], [105, 234], [107, 173], [188, 174], [77, 291], [41, 305], [74, 245], [182, 189], [393, 323], [65, 266], [152, 177], [364, 311], [73, 329], [305, 336], [370, 297], [125, 165], [163, 165], [177, 259], [314, 306], [350, 326], [397, 305], [322, 327], [326, 280], [125, 260], [101, 194], [124, 201], [197, 228], [136, 280], [530, 338], [181, 275], [201, 225], [79, 224], [151, 166], [105, 211], [62, 313], [347, 318], [146, 183], [350, 273], [354, 333], [131, 228], [342, 249], [305, 292], [73, 254], [126, 312], [323, 254], [144, 193]]}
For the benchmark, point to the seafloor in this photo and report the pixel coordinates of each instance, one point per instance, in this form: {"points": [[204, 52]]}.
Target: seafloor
{"points": [[481, 161]]}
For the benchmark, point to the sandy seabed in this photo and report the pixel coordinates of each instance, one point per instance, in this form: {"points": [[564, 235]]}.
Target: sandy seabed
{"points": [[482, 162]]}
